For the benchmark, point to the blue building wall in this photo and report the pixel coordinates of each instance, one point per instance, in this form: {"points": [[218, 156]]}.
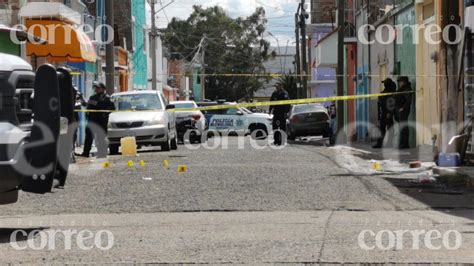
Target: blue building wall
{"points": [[322, 73], [139, 57], [362, 105]]}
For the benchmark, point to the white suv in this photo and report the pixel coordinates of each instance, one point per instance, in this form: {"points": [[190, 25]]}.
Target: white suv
{"points": [[240, 121]]}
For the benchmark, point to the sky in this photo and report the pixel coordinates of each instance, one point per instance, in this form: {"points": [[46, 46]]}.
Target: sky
{"points": [[280, 14]]}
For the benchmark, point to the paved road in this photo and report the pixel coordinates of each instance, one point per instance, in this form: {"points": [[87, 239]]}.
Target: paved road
{"points": [[236, 205]]}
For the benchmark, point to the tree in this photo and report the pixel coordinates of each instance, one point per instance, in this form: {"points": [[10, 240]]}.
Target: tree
{"points": [[233, 46], [288, 81]]}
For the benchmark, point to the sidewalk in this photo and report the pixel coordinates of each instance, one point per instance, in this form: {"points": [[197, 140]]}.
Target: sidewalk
{"points": [[359, 159], [424, 154]]}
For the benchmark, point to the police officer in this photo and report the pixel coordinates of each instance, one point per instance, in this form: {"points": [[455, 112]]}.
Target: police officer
{"points": [[97, 121], [386, 111], [280, 113], [403, 110]]}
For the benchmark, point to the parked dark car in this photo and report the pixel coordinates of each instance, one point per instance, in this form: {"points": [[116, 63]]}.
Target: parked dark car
{"points": [[193, 121], [209, 113], [308, 120]]}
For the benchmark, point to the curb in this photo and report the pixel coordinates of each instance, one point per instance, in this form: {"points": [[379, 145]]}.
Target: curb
{"points": [[456, 172]]}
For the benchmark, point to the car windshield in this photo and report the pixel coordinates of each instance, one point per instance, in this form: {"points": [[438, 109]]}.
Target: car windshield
{"points": [[183, 105], [246, 110], [308, 108], [138, 102]]}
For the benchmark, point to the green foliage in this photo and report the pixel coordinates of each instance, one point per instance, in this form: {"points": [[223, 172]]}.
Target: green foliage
{"points": [[289, 84], [232, 46]]}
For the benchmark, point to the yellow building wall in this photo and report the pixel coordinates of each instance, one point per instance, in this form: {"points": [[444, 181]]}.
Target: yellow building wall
{"points": [[428, 96]]}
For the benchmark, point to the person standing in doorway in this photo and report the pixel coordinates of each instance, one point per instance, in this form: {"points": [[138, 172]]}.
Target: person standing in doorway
{"points": [[386, 112], [404, 100]]}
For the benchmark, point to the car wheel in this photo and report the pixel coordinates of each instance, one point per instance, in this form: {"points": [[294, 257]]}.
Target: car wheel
{"points": [[332, 140], [114, 149], [174, 143], [258, 132], [166, 146], [203, 138]]}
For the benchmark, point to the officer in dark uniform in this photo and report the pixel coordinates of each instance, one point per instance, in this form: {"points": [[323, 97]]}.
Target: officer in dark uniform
{"points": [[386, 111], [280, 113], [403, 109], [97, 121]]}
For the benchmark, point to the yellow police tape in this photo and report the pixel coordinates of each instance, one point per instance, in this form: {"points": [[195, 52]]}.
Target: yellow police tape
{"points": [[260, 104]]}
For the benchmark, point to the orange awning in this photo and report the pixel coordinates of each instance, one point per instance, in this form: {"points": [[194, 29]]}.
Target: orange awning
{"points": [[64, 42]]}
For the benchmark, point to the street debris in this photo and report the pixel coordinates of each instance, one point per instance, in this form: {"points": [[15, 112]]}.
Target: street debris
{"points": [[425, 179], [415, 164]]}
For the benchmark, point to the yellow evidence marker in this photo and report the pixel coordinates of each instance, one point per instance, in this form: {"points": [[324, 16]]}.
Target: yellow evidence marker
{"points": [[376, 166], [130, 164], [166, 164], [182, 169], [142, 163], [129, 146], [106, 165]]}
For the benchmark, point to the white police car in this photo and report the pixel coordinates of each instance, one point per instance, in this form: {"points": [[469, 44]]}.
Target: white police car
{"points": [[239, 121]]}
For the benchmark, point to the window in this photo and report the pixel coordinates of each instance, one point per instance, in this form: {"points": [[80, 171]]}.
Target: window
{"points": [[134, 38], [308, 108], [138, 102], [144, 32], [184, 105], [232, 111], [165, 100]]}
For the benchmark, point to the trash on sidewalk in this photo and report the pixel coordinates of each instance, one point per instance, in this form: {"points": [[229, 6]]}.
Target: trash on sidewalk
{"points": [[415, 164], [449, 160], [425, 179]]}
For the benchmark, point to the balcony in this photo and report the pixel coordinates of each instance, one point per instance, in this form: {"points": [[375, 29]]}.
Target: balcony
{"points": [[59, 11]]}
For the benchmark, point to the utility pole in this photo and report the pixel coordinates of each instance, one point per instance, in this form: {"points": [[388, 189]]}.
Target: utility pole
{"points": [[203, 68], [304, 71], [340, 65], [110, 48], [297, 59], [153, 35]]}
